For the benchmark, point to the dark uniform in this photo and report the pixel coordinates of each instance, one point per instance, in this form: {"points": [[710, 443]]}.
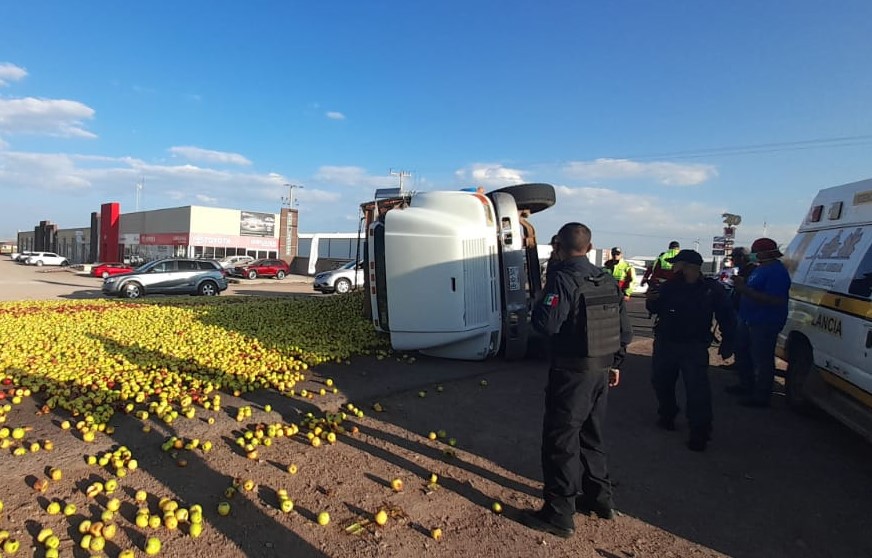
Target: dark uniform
{"points": [[573, 450], [682, 337]]}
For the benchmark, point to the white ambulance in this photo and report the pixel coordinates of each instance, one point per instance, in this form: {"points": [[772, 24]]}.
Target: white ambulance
{"points": [[827, 341]]}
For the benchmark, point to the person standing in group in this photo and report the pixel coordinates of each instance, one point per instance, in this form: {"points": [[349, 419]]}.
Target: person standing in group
{"points": [[684, 307], [622, 271], [661, 270], [742, 267], [583, 313], [762, 315]]}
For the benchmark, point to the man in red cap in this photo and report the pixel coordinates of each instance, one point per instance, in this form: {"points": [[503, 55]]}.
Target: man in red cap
{"points": [[762, 315]]}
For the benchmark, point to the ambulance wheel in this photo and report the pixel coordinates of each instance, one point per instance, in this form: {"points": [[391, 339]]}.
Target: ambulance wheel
{"points": [[800, 363], [531, 197]]}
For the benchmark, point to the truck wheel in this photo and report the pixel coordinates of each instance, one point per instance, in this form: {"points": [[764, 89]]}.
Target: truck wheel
{"points": [[800, 363], [342, 286], [531, 197]]}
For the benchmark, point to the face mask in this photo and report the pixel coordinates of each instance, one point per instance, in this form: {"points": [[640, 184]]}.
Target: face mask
{"points": [[752, 257]]}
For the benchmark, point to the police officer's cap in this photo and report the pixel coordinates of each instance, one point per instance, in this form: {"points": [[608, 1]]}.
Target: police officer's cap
{"points": [[617, 250]]}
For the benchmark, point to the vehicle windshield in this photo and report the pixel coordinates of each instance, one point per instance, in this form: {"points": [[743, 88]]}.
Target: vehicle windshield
{"points": [[349, 265]]}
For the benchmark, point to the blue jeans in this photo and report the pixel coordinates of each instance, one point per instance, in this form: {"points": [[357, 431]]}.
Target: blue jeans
{"points": [[755, 359]]}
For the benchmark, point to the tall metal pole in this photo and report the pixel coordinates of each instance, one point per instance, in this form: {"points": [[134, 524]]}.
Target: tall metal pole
{"points": [[290, 200]]}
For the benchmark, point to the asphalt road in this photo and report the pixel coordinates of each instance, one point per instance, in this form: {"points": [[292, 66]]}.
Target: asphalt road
{"points": [[771, 483]]}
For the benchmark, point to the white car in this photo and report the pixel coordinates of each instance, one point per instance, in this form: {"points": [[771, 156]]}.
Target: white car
{"points": [[638, 288], [46, 258], [235, 261], [340, 280]]}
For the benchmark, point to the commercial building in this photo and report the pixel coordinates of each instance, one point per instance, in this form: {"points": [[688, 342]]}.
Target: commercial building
{"points": [[189, 231]]}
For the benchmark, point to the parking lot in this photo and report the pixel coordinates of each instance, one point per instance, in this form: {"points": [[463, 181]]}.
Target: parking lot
{"points": [[22, 282]]}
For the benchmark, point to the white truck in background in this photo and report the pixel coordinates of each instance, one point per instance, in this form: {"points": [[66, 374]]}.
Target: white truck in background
{"points": [[453, 274]]}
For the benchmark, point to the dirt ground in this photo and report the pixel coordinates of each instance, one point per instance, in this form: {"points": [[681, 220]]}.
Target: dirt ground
{"points": [[771, 483]]}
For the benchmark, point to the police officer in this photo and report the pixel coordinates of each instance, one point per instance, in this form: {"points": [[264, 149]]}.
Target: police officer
{"points": [[583, 313], [661, 270], [622, 271], [683, 334]]}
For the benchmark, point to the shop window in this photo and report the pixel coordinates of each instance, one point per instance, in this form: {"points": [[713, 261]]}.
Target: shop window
{"points": [[220, 253], [272, 255], [209, 253]]}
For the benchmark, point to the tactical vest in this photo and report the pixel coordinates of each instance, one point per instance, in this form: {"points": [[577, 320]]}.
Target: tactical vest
{"points": [[597, 315]]}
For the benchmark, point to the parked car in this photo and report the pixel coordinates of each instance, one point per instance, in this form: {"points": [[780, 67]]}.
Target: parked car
{"points": [[262, 268], [105, 270], [46, 258], [170, 276], [638, 288], [235, 261], [21, 256], [342, 280]]}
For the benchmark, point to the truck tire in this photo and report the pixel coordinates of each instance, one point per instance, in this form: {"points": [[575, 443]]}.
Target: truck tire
{"points": [[533, 197]]}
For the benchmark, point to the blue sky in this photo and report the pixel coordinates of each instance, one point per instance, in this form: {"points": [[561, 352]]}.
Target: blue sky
{"points": [[631, 109]]}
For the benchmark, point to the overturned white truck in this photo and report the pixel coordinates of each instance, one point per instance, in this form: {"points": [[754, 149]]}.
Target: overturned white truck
{"points": [[453, 274]]}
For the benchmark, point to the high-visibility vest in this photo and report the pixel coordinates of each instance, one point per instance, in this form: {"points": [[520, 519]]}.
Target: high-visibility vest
{"points": [[623, 274], [667, 255]]}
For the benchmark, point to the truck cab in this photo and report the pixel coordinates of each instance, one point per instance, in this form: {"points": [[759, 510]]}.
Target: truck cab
{"points": [[453, 273]]}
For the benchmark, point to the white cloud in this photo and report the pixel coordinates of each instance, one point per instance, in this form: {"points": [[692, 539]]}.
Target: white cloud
{"points": [[209, 156], [333, 115], [642, 224], [3, 144], [10, 72], [53, 117], [352, 176], [102, 178], [670, 174], [490, 175]]}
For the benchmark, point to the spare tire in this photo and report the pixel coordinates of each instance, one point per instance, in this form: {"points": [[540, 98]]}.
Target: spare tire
{"points": [[531, 197]]}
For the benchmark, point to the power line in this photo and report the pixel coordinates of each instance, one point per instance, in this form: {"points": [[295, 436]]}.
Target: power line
{"points": [[750, 149]]}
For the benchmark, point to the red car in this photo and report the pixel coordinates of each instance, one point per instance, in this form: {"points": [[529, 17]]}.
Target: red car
{"points": [[105, 270], [262, 268]]}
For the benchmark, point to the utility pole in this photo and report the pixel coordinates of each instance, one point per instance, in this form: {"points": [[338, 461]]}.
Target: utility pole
{"points": [[139, 186], [290, 200], [402, 174]]}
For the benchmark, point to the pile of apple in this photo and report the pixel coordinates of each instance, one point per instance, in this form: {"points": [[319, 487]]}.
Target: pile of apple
{"points": [[93, 358]]}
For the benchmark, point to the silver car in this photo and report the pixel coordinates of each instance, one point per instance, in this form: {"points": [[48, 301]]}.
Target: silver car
{"points": [[172, 276], [342, 280]]}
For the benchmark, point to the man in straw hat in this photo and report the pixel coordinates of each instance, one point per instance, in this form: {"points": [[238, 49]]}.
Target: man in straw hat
{"points": [[762, 315]]}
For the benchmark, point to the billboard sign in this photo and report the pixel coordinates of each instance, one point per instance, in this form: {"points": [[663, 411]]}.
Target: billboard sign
{"points": [[256, 224]]}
